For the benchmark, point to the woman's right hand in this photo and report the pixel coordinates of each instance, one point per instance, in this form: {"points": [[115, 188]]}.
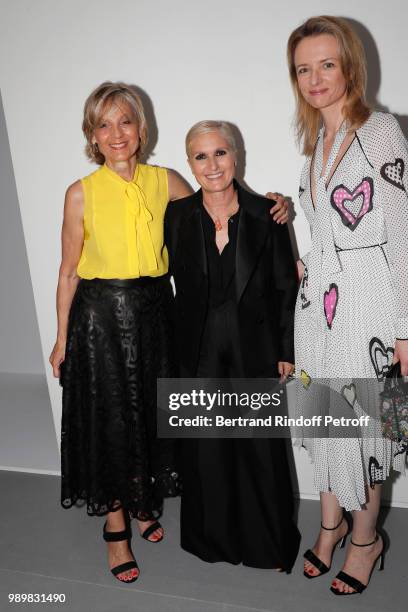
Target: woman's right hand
{"points": [[300, 269], [57, 357]]}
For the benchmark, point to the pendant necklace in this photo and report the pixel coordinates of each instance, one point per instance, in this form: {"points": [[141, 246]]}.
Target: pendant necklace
{"points": [[216, 220]]}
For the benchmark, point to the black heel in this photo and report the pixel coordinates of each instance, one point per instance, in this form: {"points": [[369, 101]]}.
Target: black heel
{"points": [[310, 556], [119, 536], [349, 521], [352, 582]]}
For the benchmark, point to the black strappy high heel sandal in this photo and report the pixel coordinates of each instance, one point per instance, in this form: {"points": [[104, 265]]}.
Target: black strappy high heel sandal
{"points": [[149, 530], [352, 582], [314, 559], [119, 536]]}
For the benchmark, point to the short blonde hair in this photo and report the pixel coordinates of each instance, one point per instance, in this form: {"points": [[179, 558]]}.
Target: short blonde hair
{"points": [[353, 64], [205, 127], [97, 103]]}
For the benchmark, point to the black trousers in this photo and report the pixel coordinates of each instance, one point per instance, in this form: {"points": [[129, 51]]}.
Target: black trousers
{"points": [[237, 503]]}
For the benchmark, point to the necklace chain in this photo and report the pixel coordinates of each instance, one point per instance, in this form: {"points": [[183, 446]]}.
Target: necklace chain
{"points": [[216, 219]]}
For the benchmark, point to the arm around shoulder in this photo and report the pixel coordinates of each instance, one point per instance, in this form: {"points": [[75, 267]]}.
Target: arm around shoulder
{"points": [[178, 186]]}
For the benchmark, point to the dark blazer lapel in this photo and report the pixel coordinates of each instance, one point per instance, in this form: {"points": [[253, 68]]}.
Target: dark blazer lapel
{"points": [[252, 233], [191, 240]]}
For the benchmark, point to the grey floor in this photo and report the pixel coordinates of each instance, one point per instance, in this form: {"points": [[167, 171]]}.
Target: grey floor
{"points": [[45, 549]]}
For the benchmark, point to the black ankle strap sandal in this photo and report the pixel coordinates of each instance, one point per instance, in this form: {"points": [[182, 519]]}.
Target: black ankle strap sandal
{"points": [[310, 556], [120, 536], [149, 530], [352, 582]]}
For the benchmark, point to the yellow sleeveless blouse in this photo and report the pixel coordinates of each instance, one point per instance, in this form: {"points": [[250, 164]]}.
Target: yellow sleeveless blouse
{"points": [[123, 224]]}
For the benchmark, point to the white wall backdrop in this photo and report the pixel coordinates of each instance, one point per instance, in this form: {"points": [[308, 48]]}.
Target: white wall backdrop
{"points": [[194, 60]]}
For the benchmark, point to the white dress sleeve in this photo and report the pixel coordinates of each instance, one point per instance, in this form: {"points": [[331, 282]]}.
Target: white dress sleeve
{"points": [[305, 199], [391, 167]]}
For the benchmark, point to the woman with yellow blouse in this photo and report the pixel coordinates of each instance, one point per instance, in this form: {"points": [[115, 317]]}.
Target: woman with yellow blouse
{"points": [[114, 303]]}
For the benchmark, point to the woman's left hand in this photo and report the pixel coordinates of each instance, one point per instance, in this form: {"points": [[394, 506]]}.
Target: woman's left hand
{"points": [[401, 355], [285, 369], [279, 211]]}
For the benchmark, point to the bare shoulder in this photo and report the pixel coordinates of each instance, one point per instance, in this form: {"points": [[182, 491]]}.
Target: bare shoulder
{"points": [[74, 200], [75, 191], [178, 186]]}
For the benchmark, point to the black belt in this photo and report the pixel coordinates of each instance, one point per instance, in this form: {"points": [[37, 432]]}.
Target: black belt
{"points": [[143, 281]]}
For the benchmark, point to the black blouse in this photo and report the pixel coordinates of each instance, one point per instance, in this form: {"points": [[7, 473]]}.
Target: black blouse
{"points": [[221, 267]]}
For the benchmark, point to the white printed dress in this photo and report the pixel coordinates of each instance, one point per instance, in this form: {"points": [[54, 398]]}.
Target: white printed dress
{"points": [[353, 299]]}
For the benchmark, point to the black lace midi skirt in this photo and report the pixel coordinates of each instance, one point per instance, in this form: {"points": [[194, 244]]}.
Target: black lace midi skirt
{"points": [[119, 342]]}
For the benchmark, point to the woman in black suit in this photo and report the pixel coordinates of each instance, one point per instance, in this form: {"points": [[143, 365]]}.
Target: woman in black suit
{"points": [[235, 296]]}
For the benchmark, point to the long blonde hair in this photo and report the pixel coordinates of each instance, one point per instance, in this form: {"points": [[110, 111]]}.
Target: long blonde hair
{"points": [[353, 63]]}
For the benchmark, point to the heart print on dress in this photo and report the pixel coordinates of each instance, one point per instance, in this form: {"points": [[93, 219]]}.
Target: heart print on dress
{"points": [[349, 394], [376, 472], [330, 300], [341, 195], [305, 302], [381, 357], [393, 173], [305, 378]]}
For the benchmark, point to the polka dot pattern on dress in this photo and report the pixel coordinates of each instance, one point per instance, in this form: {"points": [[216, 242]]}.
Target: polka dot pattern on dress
{"points": [[369, 222]]}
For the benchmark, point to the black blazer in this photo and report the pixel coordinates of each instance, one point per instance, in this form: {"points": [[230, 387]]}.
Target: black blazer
{"points": [[265, 276]]}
